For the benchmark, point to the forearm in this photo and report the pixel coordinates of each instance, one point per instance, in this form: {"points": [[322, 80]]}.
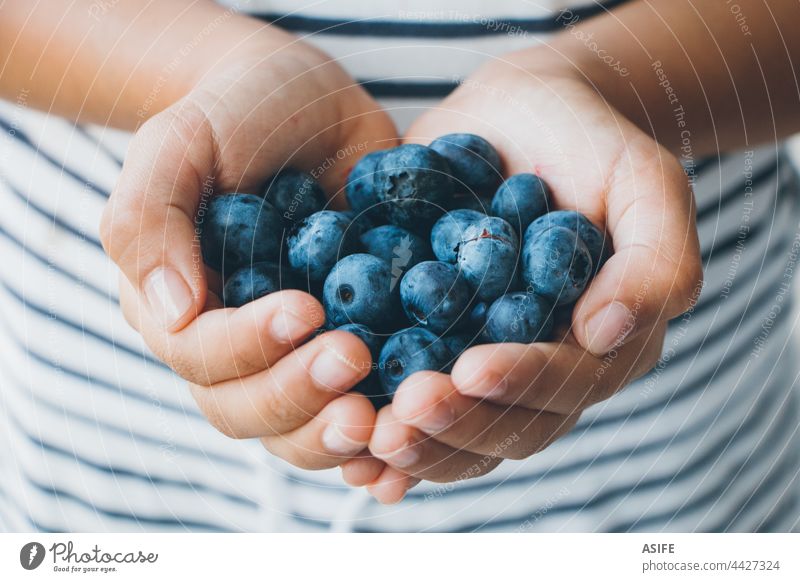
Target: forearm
{"points": [[118, 63], [720, 75]]}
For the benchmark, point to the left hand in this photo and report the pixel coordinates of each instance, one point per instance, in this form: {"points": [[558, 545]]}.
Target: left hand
{"points": [[509, 401]]}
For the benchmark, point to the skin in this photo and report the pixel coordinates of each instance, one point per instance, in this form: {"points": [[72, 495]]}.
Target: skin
{"points": [[249, 97]]}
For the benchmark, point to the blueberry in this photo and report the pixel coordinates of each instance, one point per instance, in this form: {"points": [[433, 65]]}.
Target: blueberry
{"points": [[255, 281], [448, 232], [594, 239], [519, 317], [555, 263], [397, 246], [477, 316], [294, 194], [239, 230], [474, 162], [360, 222], [319, 241], [360, 188], [414, 183], [408, 351], [434, 295], [458, 343], [359, 290], [520, 200], [488, 257]]}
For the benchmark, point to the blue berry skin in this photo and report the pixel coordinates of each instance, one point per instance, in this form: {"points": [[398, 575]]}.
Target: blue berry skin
{"points": [[519, 317], [477, 316], [448, 232], [295, 195], [359, 290], [520, 200], [555, 264], [255, 281], [474, 162], [458, 343], [599, 246], [414, 184], [239, 230], [435, 296], [360, 222], [408, 351], [488, 258], [397, 246], [319, 241], [360, 187]]}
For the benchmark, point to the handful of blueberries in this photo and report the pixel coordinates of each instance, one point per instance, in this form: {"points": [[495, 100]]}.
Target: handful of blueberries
{"points": [[436, 254]]}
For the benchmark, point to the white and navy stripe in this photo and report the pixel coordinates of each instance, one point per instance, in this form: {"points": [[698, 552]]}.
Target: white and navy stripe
{"points": [[101, 436]]}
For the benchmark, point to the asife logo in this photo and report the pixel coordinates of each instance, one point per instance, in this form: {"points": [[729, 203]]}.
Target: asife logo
{"points": [[31, 555]]}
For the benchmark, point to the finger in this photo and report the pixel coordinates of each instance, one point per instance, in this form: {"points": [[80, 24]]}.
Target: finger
{"points": [[339, 432], [410, 450], [148, 226], [655, 272], [291, 392], [430, 402], [391, 486], [362, 469], [222, 344], [556, 377]]}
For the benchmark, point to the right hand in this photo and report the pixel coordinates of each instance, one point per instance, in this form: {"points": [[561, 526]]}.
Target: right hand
{"points": [[233, 130]]}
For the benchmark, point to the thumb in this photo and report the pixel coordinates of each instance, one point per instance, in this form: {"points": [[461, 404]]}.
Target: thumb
{"points": [[148, 226], [656, 271]]}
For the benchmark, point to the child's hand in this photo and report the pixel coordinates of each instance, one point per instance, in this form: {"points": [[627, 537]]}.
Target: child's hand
{"points": [[512, 400], [233, 131]]}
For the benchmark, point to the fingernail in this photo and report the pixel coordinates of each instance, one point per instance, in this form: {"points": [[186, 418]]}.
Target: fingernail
{"points": [[338, 443], [608, 327], [406, 457], [168, 295], [288, 327], [334, 371], [489, 386], [436, 419]]}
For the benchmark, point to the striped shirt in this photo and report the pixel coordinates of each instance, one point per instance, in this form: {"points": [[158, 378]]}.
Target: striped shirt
{"points": [[100, 436]]}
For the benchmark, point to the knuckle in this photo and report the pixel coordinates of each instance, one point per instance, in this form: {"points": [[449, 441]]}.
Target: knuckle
{"points": [[212, 410]]}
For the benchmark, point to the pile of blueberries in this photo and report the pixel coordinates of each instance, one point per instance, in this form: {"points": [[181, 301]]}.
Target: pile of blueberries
{"points": [[436, 253]]}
